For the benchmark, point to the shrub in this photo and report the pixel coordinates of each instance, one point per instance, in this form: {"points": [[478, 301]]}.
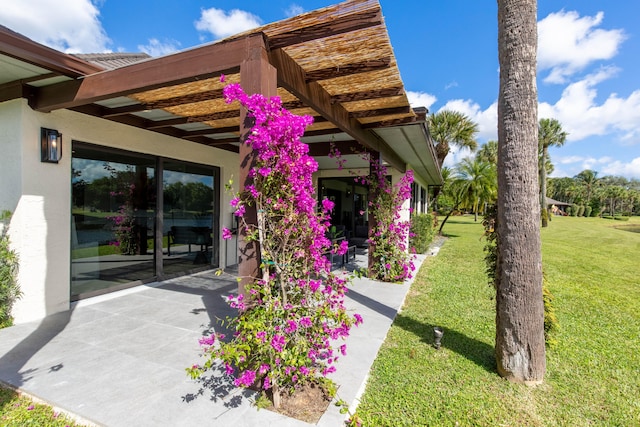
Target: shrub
{"points": [[581, 210], [421, 232], [568, 210], [574, 210], [9, 289], [587, 211]]}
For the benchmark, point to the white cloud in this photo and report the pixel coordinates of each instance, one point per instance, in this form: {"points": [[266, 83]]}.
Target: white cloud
{"points": [[223, 24], [487, 119], [629, 170], [582, 117], [294, 10], [450, 85], [572, 165], [71, 26], [567, 43], [421, 99], [157, 48], [456, 155]]}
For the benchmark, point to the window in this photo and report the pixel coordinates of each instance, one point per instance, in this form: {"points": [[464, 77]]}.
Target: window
{"points": [[116, 221]]}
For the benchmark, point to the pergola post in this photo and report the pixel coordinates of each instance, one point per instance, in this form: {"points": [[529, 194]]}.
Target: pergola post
{"points": [[374, 158], [257, 75]]}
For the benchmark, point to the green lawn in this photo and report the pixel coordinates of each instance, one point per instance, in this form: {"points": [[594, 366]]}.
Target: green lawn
{"points": [[592, 378], [20, 411]]}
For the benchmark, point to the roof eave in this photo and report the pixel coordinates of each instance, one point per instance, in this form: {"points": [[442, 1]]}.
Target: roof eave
{"points": [[22, 48]]}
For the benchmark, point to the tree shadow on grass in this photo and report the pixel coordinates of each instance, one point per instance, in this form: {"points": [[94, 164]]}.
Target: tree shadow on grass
{"points": [[478, 352]]}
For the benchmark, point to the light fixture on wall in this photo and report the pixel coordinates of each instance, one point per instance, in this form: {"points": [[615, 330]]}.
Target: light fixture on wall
{"points": [[50, 145]]}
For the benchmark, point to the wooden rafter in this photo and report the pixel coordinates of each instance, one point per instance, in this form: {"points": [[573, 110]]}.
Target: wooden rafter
{"points": [[292, 77], [317, 149], [390, 123], [380, 112], [368, 94]]}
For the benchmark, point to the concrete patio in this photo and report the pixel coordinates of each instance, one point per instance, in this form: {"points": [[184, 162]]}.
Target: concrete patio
{"points": [[120, 359]]}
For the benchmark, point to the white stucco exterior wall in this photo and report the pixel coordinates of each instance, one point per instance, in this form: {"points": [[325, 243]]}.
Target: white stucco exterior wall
{"points": [[40, 193], [11, 159]]}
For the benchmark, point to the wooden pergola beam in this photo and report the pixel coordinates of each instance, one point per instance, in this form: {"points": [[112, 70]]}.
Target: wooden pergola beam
{"points": [[182, 67], [318, 149], [368, 94], [139, 122], [211, 131], [165, 103], [293, 78], [380, 112], [390, 123]]}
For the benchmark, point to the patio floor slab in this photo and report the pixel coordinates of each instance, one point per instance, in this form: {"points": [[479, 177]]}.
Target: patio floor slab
{"points": [[120, 359]]}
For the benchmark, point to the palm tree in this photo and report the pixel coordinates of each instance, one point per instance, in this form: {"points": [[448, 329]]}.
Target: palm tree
{"points": [[451, 128], [520, 347], [589, 180], [489, 152], [476, 182], [550, 134]]}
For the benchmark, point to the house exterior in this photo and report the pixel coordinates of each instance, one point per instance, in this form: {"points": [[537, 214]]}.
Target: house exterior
{"points": [[115, 165]]}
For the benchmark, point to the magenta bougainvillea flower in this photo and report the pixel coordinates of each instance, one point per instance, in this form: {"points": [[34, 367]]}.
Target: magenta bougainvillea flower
{"points": [[290, 318]]}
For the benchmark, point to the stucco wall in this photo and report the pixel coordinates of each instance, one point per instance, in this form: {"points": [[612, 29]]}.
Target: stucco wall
{"points": [[40, 227], [11, 149]]}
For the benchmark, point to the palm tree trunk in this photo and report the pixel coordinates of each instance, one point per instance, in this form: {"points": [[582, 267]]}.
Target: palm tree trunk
{"points": [[520, 346]]}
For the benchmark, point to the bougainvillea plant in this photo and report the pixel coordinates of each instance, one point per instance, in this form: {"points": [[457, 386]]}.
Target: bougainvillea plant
{"points": [[290, 321], [124, 223], [388, 237]]}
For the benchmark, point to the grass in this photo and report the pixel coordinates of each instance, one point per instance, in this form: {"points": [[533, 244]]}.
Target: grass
{"points": [[592, 373], [592, 269], [18, 411]]}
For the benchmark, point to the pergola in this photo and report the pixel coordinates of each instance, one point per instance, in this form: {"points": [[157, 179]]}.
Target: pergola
{"points": [[335, 63]]}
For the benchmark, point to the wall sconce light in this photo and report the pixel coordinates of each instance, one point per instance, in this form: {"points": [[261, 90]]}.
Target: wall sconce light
{"points": [[50, 145]]}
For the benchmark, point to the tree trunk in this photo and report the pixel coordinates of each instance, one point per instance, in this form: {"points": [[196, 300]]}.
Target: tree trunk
{"points": [[442, 151], [446, 218], [520, 347], [543, 186]]}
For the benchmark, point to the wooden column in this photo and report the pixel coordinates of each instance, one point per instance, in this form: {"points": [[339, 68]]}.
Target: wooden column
{"points": [[257, 75], [374, 158]]}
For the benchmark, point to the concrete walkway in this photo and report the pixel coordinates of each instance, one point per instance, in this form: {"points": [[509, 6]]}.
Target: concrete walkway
{"points": [[120, 359]]}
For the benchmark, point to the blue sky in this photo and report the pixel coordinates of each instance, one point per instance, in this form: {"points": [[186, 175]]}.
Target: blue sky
{"points": [[588, 57]]}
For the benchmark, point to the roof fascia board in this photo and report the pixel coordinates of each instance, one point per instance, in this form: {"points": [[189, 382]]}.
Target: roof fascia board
{"points": [[24, 49], [292, 77], [181, 67]]}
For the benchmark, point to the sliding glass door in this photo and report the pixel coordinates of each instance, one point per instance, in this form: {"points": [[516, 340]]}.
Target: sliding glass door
{"points": [[189, 214], [115, 218]]}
